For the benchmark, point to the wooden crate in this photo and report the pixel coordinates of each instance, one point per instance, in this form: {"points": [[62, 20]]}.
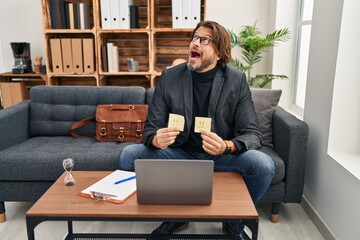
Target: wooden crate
{"points": [[126, 80], [169, 46], [130, 46]]}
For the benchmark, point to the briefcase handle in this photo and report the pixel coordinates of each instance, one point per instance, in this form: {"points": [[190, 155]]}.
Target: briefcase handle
{"points": [[121, 107]]}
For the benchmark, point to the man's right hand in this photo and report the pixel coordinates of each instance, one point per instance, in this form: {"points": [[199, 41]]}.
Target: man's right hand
{"points": [[165, 137]]}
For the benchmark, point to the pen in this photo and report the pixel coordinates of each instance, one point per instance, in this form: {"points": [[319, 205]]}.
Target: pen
{"points": [[125, 180]]}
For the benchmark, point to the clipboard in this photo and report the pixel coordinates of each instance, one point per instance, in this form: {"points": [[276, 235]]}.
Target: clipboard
{"points": [[117, 193]]}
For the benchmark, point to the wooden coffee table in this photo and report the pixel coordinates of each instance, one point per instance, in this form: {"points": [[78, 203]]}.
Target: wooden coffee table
{"points": [[231, 203]]}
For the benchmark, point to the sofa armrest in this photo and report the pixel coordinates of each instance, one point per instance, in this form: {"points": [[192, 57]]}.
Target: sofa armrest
{"points": [[290, 139], [14, 124]]}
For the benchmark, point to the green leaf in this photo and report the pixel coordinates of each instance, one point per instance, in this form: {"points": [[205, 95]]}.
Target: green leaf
{"points": [[252, 47]]}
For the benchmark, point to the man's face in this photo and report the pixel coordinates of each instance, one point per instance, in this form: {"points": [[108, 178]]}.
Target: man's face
{"points": [[202, 57]]}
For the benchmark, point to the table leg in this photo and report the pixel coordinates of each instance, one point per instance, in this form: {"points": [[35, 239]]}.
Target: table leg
{"points": [[31, 223], [253, 225]]}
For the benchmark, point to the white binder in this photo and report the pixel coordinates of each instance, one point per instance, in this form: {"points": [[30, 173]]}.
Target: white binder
{"points": [[195, 12], [85, 12], [176, 13], [186, 14], [115, 58], [114, 14], [109, 49], [124, 14], [105, 14]]}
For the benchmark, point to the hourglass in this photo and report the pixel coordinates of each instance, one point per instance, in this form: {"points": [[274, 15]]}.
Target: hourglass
{"points": [[68, 165]]}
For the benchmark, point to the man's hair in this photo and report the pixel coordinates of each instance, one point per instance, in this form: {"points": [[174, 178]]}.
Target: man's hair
{"points": [[220, 38]]}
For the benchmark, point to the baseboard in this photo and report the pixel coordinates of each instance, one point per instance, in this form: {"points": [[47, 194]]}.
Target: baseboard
{"points": [[317, 220]]}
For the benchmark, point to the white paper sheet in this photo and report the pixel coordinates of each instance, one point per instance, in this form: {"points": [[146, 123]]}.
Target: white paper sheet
{"points": [[107, 185]]}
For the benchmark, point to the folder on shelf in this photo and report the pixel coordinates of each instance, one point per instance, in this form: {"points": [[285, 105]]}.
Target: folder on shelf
{"points": [[186, 14], [88, 55], [114, 14], [176, 13], [85, 15], [124, 14], [195, 12], [105, 14], [77, 55], [56, 56], [115, 58], [66, 52], [111, 192], [109, 51]]}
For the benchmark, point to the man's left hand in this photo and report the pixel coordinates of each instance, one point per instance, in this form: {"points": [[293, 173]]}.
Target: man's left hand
{"points": [[212, 143]]}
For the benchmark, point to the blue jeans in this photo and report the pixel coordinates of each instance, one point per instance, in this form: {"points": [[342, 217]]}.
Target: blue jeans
{"points": [[257, 168]]}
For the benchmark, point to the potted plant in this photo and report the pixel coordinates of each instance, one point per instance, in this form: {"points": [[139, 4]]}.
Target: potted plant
{"points": [[252, 47]]}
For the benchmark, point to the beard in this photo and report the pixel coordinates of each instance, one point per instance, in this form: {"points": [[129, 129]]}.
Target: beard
{"points": [[199, 67]]}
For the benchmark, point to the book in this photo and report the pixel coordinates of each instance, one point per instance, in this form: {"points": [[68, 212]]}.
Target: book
{"points": [[62, 14], [133, 16], [109, 50], [104, 59], [53, 14], [85, 15], [71, 15], [115, 58], [106, 187]]}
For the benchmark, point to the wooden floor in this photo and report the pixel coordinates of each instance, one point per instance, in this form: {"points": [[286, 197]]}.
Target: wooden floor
{"points": [[294, 224]]}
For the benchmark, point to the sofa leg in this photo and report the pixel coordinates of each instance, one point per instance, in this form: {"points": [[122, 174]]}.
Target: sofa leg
{"points": [[275, 209], [2, 212]]}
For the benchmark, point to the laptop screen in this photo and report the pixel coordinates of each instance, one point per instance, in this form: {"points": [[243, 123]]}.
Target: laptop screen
{"points": [[170, 181]]}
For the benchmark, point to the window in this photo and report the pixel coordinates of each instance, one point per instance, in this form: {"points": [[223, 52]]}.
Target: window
{"points": [[304, 32]]}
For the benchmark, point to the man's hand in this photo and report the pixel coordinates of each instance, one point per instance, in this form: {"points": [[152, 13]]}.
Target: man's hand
{"points": [[165, 137], [212, 143]]}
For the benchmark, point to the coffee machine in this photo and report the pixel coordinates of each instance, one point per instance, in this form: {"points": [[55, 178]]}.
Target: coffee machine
{"points": [[21, 53]]}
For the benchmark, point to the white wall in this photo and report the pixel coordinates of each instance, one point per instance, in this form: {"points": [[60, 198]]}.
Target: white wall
{"points": [[234, 14], [332, 191], [20, 21]]}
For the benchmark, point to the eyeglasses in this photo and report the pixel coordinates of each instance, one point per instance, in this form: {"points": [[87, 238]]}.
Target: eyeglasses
{"points": [[203, 40]]}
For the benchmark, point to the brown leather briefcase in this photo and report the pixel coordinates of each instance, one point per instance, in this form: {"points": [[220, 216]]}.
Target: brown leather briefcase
{"points": [[117, 123]]}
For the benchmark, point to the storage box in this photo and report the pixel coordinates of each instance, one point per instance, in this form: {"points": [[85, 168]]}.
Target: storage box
{"points": [[13, 93]]}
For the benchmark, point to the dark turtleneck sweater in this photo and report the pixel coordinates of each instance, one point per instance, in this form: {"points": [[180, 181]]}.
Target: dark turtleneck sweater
{"points": [[202, 83]]}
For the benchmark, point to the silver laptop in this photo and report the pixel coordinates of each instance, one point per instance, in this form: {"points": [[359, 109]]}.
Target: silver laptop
{"points": [[169, 181]]}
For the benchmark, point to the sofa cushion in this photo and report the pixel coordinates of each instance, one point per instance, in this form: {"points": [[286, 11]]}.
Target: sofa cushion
{"points": [[265, 102], [54, 109], [278, 162], [40, 158]]}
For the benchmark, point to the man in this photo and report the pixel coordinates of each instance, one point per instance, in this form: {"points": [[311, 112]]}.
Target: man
{"points": [[205, 87]]}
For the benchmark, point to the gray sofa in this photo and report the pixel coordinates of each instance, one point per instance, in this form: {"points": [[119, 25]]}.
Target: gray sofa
{"points": [[35, 139]]}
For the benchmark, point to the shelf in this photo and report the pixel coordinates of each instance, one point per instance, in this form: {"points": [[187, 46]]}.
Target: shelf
{"points": [[126, 80], [130, 46], [73, 80], [155, 44]]}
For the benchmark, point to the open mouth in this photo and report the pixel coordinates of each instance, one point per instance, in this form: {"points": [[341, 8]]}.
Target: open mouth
{"points": [[194, 55]]}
